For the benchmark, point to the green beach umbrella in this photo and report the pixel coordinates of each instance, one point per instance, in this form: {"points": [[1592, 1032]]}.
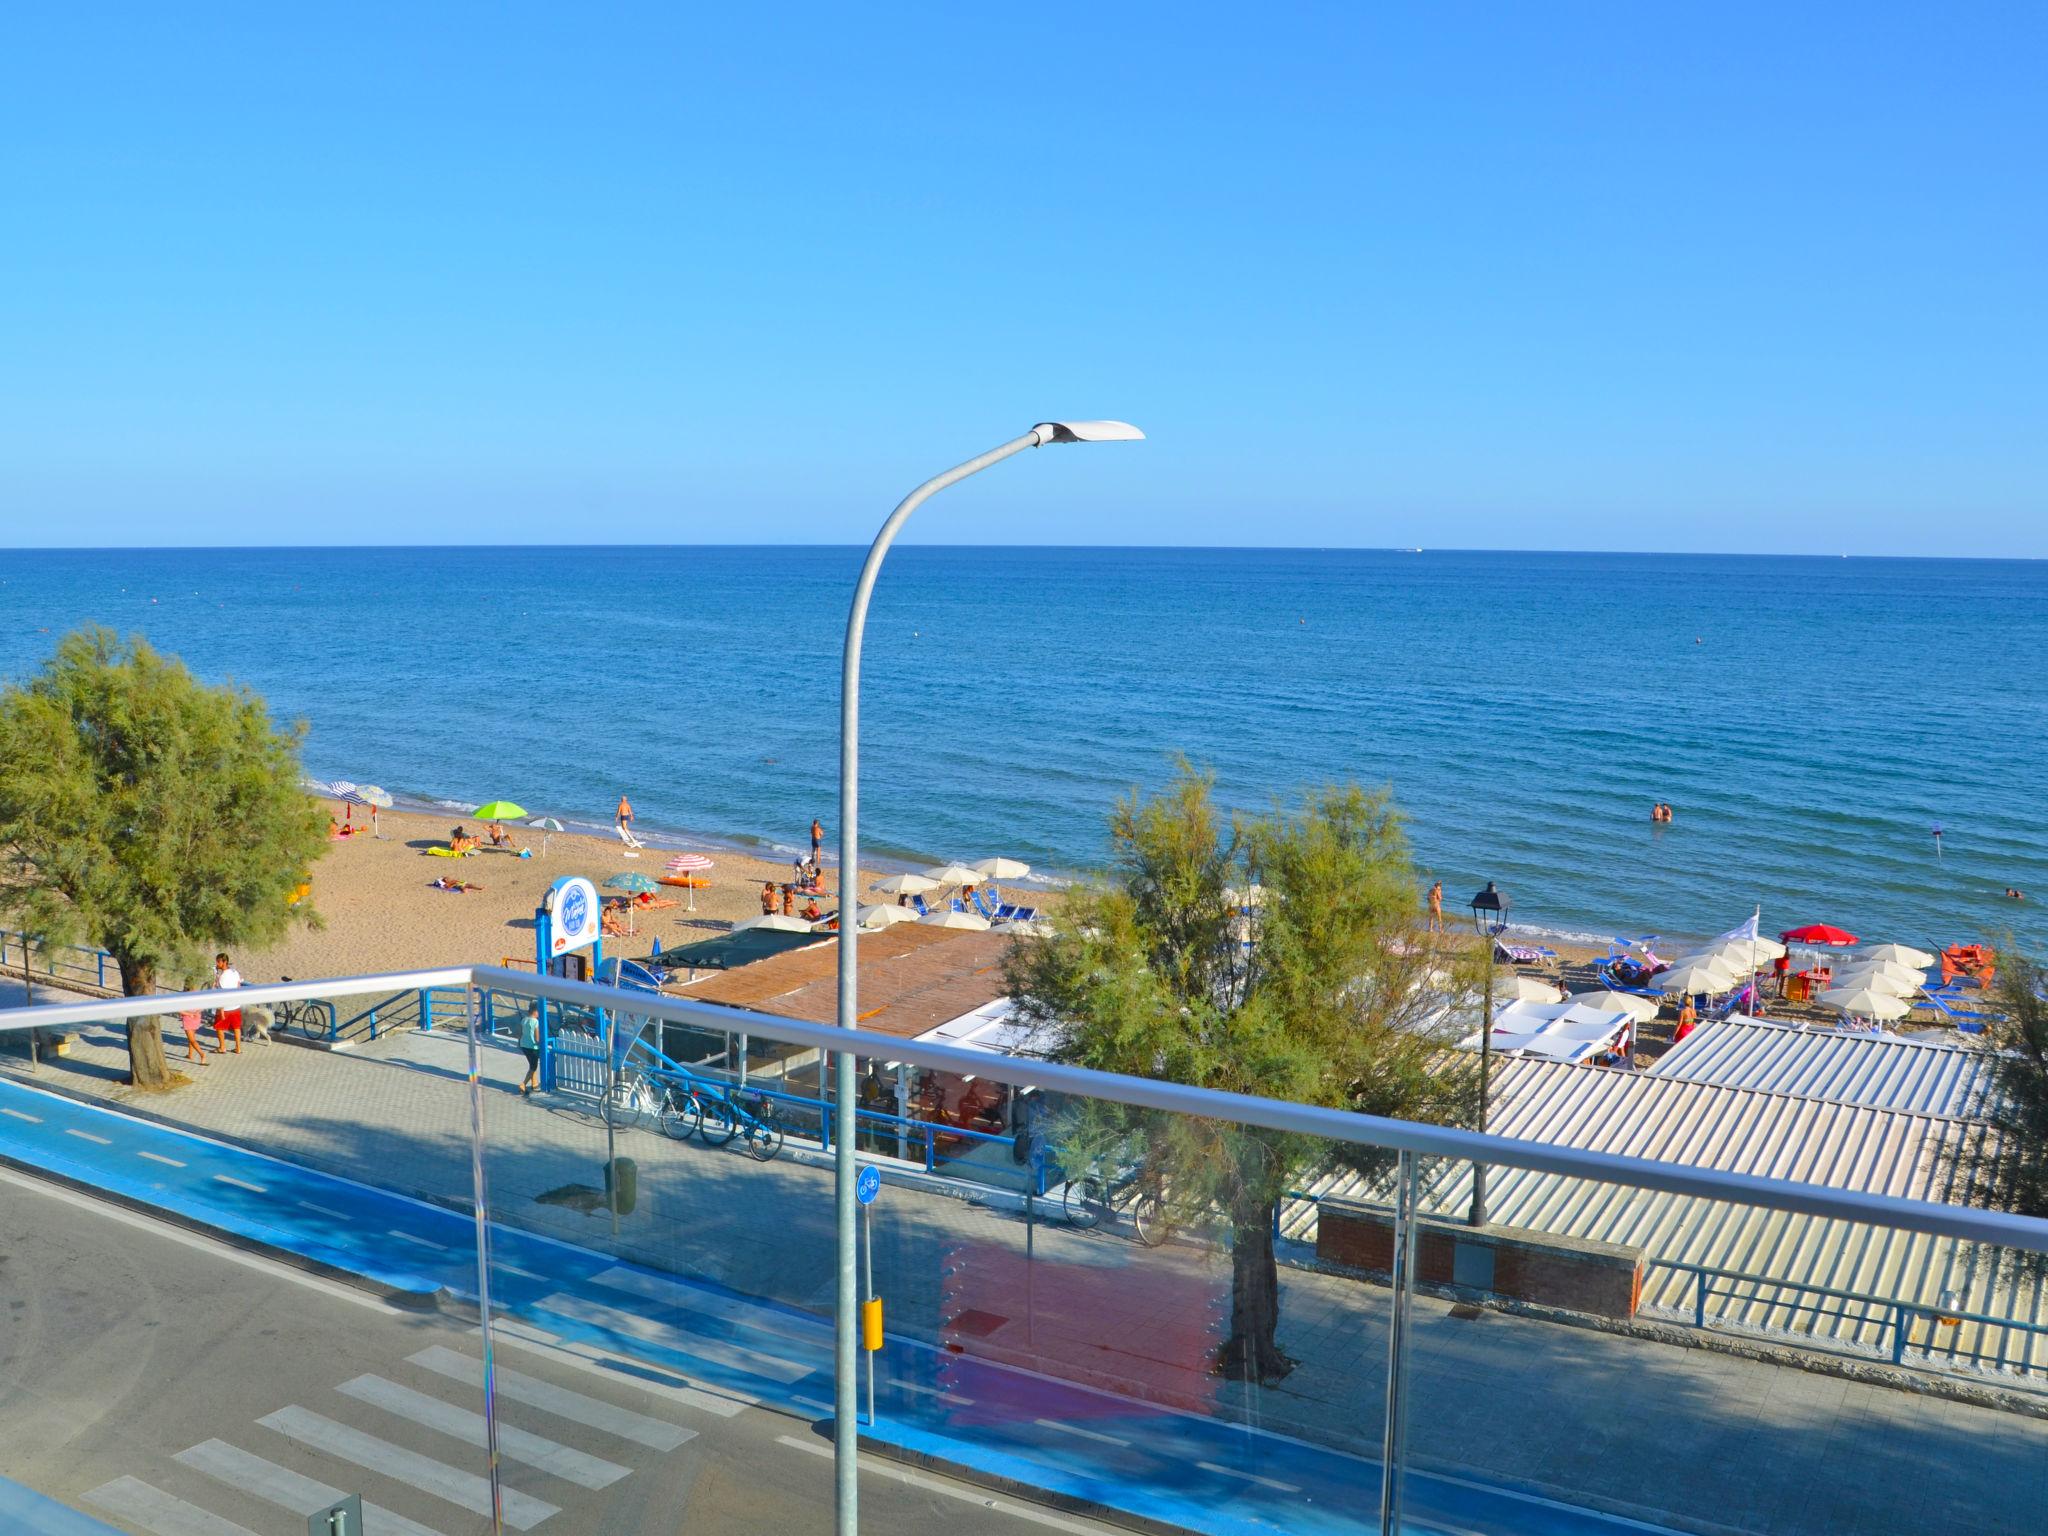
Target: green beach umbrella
{"points": [[499, 810], [638, 885]]}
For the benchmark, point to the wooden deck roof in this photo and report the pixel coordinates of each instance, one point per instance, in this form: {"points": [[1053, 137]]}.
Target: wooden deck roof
{"points": [[912, 979]]}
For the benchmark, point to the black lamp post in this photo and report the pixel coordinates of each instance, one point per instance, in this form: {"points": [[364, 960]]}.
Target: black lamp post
{"points": [[1490, 921]]}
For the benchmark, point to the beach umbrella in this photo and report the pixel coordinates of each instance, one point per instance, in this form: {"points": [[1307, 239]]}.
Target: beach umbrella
{"points": [[1641, 1009], [954, 874], [1866, 1001], [906, 885], [1819, 933], [886, 916], [1741, 953], [1252, 895], [498, 810], [1904, 954], [688, 863], [1031, 930], [774, 922], [548, 828], [1517, 988], [636, 884], [1698, 976], [1882, 975], [956, 920], [1001, 869]]}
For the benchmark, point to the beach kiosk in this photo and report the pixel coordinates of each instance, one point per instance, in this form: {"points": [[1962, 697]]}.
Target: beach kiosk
{"points": [[568, 942]]}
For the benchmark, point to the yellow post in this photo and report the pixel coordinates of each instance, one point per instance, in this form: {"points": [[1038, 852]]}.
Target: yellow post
{"points": [[871, 1323]]}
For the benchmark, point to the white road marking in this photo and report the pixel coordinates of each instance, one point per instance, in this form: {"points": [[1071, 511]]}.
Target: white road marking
{"points": [[465, 1490], [565, 1462], [158, 1512], [689, 1299], [158, 1157], [72, 1130], [1075, 1429], [254, 1189], [424, 1242], [1251, 1477], [966, 1495], [324, 1210], [273, 1484], [945, 1397], [633, 1325], [23, 1115], [655, 1434], [659, 1380], [500, 1266]]}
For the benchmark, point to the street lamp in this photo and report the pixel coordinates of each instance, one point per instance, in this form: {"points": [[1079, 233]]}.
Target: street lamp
{"points": [[1490, 921], [846, 1426]]}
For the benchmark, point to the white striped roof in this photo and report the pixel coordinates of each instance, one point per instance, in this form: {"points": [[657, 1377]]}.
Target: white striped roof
{"points": [[1739, 1130], [1924, 1076]]}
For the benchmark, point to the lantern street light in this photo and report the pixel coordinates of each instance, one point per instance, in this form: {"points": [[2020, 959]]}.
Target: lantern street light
{"points": [[1490, 921]]}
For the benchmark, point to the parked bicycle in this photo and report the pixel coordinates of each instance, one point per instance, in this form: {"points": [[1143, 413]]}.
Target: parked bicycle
{"points": [[1092, 1198], [748, 1116], [306, 1014], [684, 1107]]}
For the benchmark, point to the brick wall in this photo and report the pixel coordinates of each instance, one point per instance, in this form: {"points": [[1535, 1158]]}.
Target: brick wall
{"points": [[1603, 1279]]}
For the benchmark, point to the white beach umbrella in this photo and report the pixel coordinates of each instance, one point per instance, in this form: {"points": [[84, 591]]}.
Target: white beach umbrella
{"points": [[956, 920], [548, 827], [1252, 895], [1031, 930], [954, 874], [775, 922], [906, 885], [1741, 953], [1641, 1009], [1517, 988], [1903, 954], [886, 915], [1866, 1002], [1001, 869], [1698, 976], [1880, 977]]}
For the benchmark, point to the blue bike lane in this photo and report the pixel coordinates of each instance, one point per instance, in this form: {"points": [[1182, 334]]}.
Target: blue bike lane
{"points": [[1088, 1448]]}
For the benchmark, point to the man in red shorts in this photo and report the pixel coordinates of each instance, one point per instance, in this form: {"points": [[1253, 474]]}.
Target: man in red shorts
{"points": [[228, 1020]]}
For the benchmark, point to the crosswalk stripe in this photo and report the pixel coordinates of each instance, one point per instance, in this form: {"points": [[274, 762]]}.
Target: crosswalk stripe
{"points": [[631, 1324], [463, 1489], [281, 1486], [559, 1401], [662, 1381], [160, 1513], [690, 1298], [514, 1444]]}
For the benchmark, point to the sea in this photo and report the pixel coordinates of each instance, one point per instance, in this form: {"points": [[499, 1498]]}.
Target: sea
{"points": [[1856, 741]]}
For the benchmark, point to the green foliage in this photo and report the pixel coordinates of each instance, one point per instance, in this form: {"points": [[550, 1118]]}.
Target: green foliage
{"points": [[145, 813], [1328, 993], [2006, 1168]]}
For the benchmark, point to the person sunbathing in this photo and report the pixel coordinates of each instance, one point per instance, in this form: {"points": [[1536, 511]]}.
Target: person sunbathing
{"points": [[460, 887], [811, 912], [499, 836]]}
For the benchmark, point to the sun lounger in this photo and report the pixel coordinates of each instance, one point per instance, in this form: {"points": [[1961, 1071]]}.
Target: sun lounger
{"points": [[922, 909], [1969, 1021], [988, 909], [1010, 912]]}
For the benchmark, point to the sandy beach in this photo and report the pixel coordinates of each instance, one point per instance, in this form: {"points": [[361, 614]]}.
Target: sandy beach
{"points": [[380, 911]]}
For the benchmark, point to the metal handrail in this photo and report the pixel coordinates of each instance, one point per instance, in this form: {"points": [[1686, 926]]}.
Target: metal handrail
{"points": [[1998, 1228]]}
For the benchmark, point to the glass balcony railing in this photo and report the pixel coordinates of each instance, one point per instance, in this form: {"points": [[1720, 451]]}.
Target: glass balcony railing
{"points": [[596, 1290]]}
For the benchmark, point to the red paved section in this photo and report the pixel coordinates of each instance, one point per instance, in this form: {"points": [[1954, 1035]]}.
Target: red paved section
{"points": [[1142, 1323]]}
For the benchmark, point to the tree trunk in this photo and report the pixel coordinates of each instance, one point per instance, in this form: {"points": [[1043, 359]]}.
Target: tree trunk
{"points": [[146, 1068], [1251, 1353]]}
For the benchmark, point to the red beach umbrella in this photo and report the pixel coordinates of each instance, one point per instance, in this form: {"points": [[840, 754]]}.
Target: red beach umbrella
{"points": [[1817, 933]]}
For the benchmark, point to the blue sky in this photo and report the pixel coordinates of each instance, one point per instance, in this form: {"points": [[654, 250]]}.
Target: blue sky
{"points": [[1739, 277]]}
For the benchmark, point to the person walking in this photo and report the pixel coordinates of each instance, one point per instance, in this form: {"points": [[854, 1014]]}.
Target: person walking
{"points": [[625, 814], [226, 1021], [1688, 1020], [529, 1044], [817, 841], [1436, 907], [190, 1020]]}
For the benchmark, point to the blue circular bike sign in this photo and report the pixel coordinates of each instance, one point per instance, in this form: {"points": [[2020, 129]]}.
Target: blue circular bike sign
{"points": [[867, 1185]]}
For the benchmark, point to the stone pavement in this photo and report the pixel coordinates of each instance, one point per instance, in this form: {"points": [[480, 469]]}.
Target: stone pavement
{"points": [[1682, 1437]]}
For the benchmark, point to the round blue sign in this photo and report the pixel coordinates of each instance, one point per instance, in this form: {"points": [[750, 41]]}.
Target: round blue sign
{"points": [[867, 1185], [575, 910]]}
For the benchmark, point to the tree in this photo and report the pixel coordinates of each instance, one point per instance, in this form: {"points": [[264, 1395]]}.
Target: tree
{"points": [[148, 814], [2005, 1167], [1320, 986]]}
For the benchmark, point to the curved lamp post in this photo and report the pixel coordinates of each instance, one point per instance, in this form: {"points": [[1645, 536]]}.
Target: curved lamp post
{"points": [[1490, 919], [846, 1411]]}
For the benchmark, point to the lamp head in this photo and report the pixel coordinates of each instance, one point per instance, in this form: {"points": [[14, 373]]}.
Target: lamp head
{"points": [[1087, 432]]}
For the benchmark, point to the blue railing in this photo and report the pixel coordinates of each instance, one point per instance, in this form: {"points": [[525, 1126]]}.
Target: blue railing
{"points": [[59, 963]]}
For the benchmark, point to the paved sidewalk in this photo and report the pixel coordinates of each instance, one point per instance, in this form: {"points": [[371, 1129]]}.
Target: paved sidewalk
{"points": [[1676, 1436]]}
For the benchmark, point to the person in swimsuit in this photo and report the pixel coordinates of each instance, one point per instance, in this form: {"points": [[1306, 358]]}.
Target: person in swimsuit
{"points": [[1436, 907], [767, 898]]}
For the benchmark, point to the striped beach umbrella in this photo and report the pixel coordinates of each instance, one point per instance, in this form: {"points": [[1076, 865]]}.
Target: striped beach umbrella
{"points": [[689, 863]]}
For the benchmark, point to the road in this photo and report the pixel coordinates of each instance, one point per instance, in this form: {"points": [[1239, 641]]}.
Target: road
{"points": [[172, 1385]]}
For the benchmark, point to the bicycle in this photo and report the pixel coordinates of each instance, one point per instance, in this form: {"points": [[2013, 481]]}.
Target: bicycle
{"points": [[308, 1015], [724, 1117], [1091, 1198], [633, 1099]]}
